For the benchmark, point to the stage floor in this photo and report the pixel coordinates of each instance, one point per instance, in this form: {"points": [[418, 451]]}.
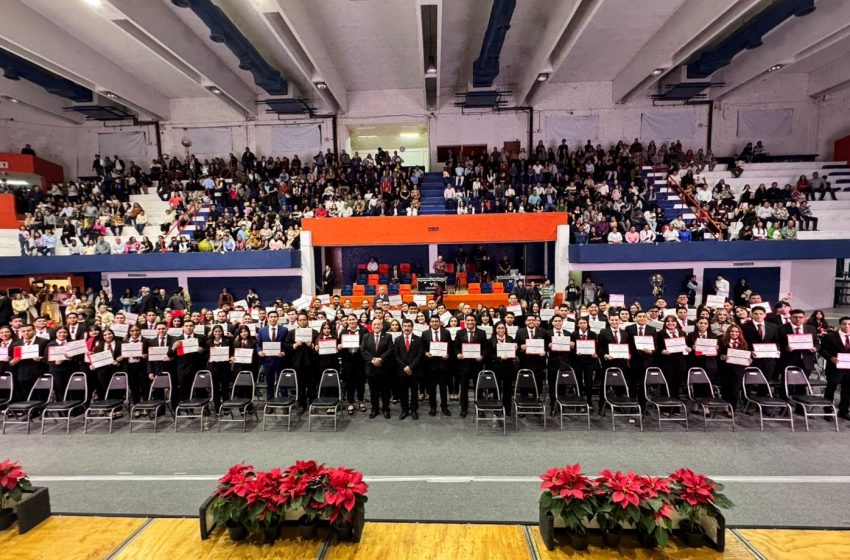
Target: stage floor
{"points": [[131, 538]]}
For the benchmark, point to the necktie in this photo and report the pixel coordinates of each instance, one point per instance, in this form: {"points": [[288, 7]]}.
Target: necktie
{"points": [[436, 336], [407, 343], [272, 333], [799, 330], [616, 337], [735, 345], [531, 333], [584, 336], [73, 332], [109, 347], [640, 331], [501, 341], [760, 331], [377, 341], [847, 342]]}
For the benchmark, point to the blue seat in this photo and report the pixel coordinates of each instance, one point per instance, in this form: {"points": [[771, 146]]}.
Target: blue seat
{"points": [[370, 290], [406, 279], [393, 289], [472, 277], [347, 288], [384, 279], [486, 288]]}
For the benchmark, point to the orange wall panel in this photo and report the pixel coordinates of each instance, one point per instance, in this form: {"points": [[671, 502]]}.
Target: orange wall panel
{"points": [[423, 230], [8, 218]]}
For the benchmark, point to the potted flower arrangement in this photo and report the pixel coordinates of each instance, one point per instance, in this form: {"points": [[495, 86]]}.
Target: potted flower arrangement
{"points": [[656, 512], [304, 484], [695, 495], [571, 496], [619, 504], [13, 483], [344, 496], [229, 506]]}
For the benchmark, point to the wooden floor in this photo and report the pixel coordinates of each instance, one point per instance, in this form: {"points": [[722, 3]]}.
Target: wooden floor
{"points": [[94, 538]]}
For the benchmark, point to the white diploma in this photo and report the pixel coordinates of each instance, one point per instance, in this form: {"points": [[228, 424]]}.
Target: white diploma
{"points": [[506, 350], [157, 353], [618, 351], [470, 351], [132, 349], [675, 345], [439, 349], [644, 343], [219, 354], [327, 346]]}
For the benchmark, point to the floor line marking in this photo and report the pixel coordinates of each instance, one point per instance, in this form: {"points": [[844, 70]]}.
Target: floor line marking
{"points": [[130, 539], [748, 545]]}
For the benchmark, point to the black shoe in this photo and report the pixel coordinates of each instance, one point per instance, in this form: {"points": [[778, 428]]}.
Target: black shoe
{"points": [[463, 414], [552, 411], [401, 416], [387, 414], [372, 414], [414, 415], [432, 412], [445, 410], [844, 415]]}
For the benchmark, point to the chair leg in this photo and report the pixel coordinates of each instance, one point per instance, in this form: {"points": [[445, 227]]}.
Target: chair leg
{"points": [[640, 418]]}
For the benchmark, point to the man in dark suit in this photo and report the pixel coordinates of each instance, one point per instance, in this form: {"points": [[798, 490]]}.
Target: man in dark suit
{"points": [[304, 359], [832, 344], [437, 368], [408, 355], [682, 318], [585, 364], [352, 363], [328, 277], [803, 359], [781, 315], [156, 367], [25, 371], [640, 359], [377, 352], [5, 309], [135, 366], [613, 334], [758, 331], [558, 359], [469, 366], [534, 362], [187, 363], [76, 330], [272, 363]]}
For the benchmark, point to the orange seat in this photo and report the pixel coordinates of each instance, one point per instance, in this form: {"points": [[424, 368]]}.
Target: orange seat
{"points": [[404, 289], [460, 279], [358, 290], [373, 279], [404, 268], [474, 287], [384, 269], [498, 288]]}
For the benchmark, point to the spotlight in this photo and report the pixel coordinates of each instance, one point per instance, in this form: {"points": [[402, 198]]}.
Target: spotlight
{"points": [[774, 68], [658, 71], [321, 85], [542, 77]]}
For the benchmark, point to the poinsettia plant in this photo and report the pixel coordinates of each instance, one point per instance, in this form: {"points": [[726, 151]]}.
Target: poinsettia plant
{"points": [[695, 494], [13, 483], [656, 508], [619, 499], [304, 484], [570, 495], [344, 493]]}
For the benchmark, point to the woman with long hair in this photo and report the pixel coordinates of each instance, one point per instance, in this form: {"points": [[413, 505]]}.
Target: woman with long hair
{"points": [[731, 375]]}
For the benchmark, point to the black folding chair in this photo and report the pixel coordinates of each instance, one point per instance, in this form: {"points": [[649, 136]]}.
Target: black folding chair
{"points": [[808, 402], [488, 399], [7, 388], [153, 407], [328, 401], [199, 403], [244, 383], [657, 394], [614, 378], [76, 396], [40, 395], [283, 407], [710, 404], [568, 396], [754, 379], [526, 397], [117, 396]]}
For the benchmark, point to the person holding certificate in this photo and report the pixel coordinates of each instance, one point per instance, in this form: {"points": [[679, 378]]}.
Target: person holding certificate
{"points": [[530, 356], [437, 342], [759, 331], [218, 362], [835, 346], [103, 360], [800, 343], [186, 351], [326, 348], [705, 345], [270, 341], [133, 361], [377, 352], [244, 353], [614, 347], [673, 354], [353, 376], [643, 351], [159, 362], [586, 360], [501, 354], [300, 345], [408, 350], [60, 367], [732, 374], [27, 360]]}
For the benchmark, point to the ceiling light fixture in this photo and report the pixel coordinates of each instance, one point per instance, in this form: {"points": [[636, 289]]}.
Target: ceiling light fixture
{"points": [[431, 68], [93, 3], [214, 90], [13, 100], [366, 136], [110, 95], [321, 85], [542, 77], [774, 68], [658, 71], [410, 135]]}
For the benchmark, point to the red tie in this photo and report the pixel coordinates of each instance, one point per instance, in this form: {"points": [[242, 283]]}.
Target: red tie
{"points": [[272, 333], [436, 336], [109, 347], [847, 342], [407, 343], [640, 331], [616, 337], [799, 330], [761, 331]]}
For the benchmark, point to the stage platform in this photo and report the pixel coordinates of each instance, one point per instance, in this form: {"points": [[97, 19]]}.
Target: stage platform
{"points": [[140, 538]]}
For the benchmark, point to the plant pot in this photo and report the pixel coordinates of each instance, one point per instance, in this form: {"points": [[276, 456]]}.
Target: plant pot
{"points": [[577, 541], [692, 534], [271, 533], [611, 536], [7, 518], [647, 540], [344, 531], [236, 531], [308, 527]]}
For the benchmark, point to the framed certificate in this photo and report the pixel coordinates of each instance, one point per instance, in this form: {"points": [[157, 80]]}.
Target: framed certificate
{"points": [[800, 341], [705, 346], [219, 354], [271, 348], [560, 344], [157, 353], [506, 350], [76, 348], [101, 359], [535, 346], [585, 347], [644, 343], [618, 351], [470, 351], [738, 357], [243, 355], [439, 349], [350, 341], [768, 350], [327, 347], [132, 349], [675, 345], [303, 335]]}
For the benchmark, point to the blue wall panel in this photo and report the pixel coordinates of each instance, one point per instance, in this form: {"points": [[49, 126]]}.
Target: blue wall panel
{"points": [[634, 284]]}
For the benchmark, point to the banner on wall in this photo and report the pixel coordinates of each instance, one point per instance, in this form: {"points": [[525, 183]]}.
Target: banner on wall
{"points": [[571, 128], [210, 141], [304, 140], [668, 125], [765, 123], [125, 144]]}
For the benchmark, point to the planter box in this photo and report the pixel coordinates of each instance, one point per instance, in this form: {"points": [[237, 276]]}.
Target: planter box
{"points": [[715, 529], [33, 508], [207, 524]]}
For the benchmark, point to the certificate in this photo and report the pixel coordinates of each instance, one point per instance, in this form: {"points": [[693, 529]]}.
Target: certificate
{"points": [[101, 359], [271, 347], [560, 344], [120, 329], [547, 314], [302, 303], [175, 331], [800, 341], [327, 347], [585, 347], [235, 316], [506, 350], [28, 352], [675, 345], [439, 349], [644, 343], [56, 353], [597, 326], [444, 317], [535, 346], [189, 346], [76, 348], [512, 329], [157, 353], [4, 353], [705, 346], [410, 316], [43, 335], [243, 355], [351, 341], [738, 357], [470, 351], [515, 309], [252, 328], [329, 312], [419, 329], [201, 330], [617, 300], [762, 350], [420, 299], [303, 334], [132, 349], [618, 351], [714, 301], [395, 300], [324, 298], [219, 354], [657, 325], [316, 325], [488, 330], [148, 333], [131, 317], [241, 303]]}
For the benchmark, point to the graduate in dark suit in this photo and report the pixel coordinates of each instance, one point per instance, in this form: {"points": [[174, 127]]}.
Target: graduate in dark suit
{"points": [[304, 360], [640, 359], [353, 369], [272, 363], [136, 367], [534, 362], [759, 331], [673, 364], [108, 342], [156, 367], [377, 352], [469, 366], [732, 375], [409, 353], [437, 368], [832, 344], [187, 364], [585, 364], [26, 371], [558, 359], [220, 371], [62, 368], [803, 359], [696, 359], [504, 368]]}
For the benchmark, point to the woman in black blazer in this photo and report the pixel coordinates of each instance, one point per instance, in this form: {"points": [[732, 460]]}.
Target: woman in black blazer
{"points": [[221, 371], [504, 368], [106, 342], [244, 340], [708, 363], [674, 365], [732, 375]]}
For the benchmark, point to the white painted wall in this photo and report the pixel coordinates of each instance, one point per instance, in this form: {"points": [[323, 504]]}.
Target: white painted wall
{"points": [[833, 122]]}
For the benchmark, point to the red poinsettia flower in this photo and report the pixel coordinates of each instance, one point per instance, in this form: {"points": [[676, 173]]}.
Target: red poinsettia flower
{"points": [[345, 485], [664, 513], [651, 486], [625, 489], [553, 479], [10, 474]]}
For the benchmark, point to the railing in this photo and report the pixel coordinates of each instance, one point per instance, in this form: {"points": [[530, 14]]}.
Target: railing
{"points": [[688, 199]]}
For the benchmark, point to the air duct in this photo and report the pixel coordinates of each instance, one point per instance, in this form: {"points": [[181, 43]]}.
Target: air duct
{"points": [[486, 66]]}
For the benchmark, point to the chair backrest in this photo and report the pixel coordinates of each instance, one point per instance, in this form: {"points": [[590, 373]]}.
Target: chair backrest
{"points": [[118, 384], [487, 381], [77, 384], [7, 385], [654, 380], [202, 382], [697, 376], [525, 383], [567, 379], [614, 378], [753, 377], [287, 380], [244, 383], [43, 384], [795, 377], [162, 382], [329, 382]]}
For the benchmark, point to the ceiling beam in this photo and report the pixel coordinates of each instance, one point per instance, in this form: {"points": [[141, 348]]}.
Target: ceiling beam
{"points": [[794, 38], [694, 25], [38, 98], [34, 37], [830, 77], [153, 24]]}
